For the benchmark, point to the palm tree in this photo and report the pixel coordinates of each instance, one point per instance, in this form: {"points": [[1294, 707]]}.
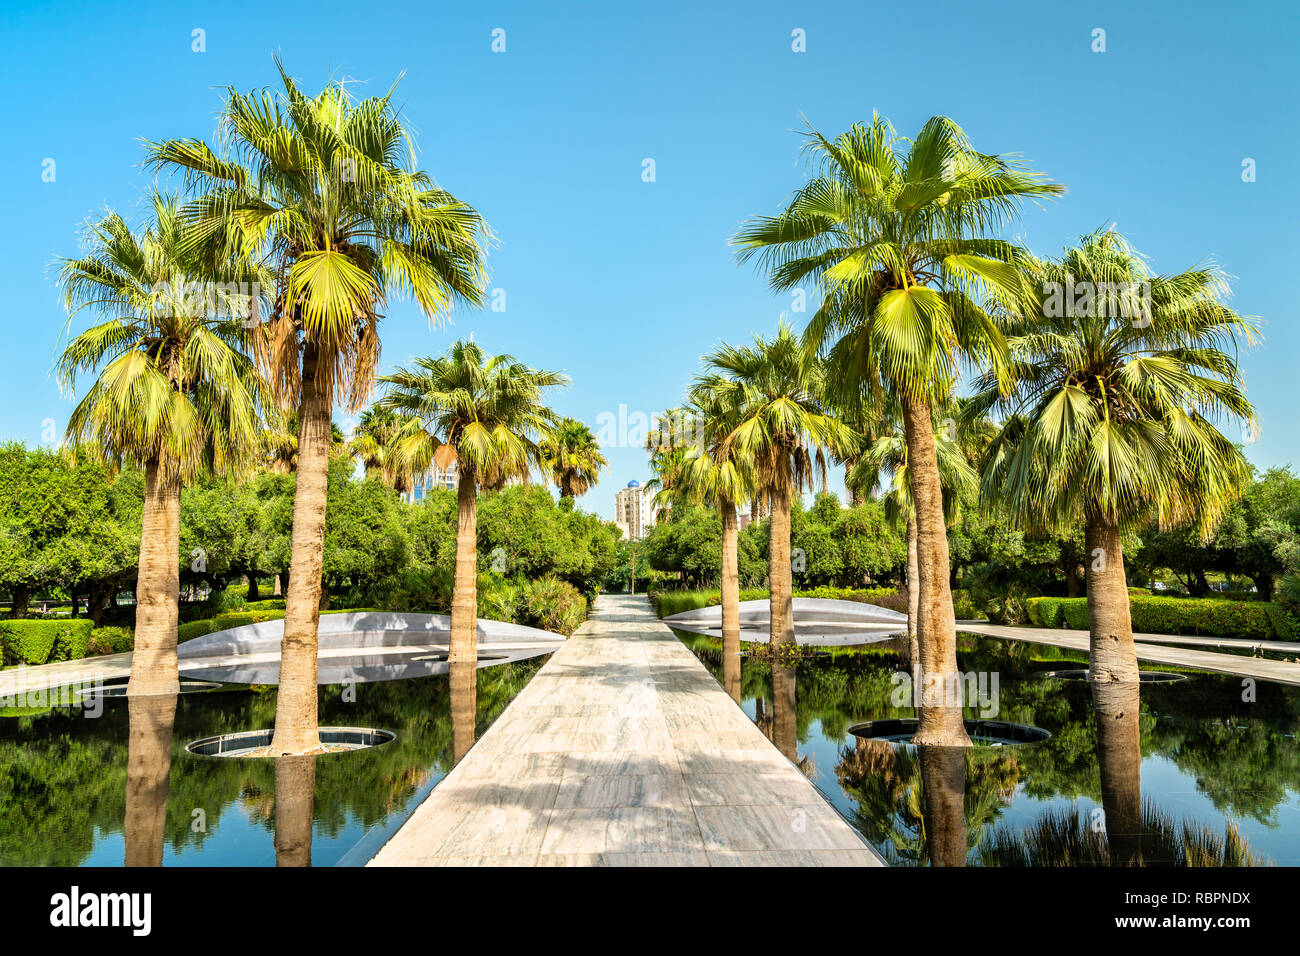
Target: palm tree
{"points": [[1110, 417], [573, 458], [487, 412], [372, 442], [897, 233], [325, 188], [715, 472], [174, 393], [783, 429]]}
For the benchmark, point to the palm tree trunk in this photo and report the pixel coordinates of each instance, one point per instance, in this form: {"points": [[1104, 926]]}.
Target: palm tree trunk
{"points": [[296, 718], [464, 601], [157, 590], [148, 770], [295, 798], [754, 508], [913, 608], [730, 582], [848, 487], [1112, 656], [941, 717], [780, 601], [1119, 758]]}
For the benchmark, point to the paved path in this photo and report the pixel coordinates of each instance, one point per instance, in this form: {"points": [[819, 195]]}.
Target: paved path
{"points": [[1236, 664], [623, 750]]}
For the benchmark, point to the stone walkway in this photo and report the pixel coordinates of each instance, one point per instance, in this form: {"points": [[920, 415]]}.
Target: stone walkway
{"points": [[1235, 664], [623, 750]]}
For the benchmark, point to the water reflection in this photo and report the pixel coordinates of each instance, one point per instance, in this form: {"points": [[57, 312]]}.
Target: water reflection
{"points": [[295, 798], [148, 769], [784, 728], [943, 786], [1199, 772], [79, 791], [1119, 758], [463, 676]]}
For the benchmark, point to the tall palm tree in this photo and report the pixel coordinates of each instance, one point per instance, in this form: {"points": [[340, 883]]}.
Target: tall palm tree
{"points": [[326, 189], [489, 413], [1111, 416], [716, 472], [573, 458], [783, 429], [898, 233], [174, 393]]}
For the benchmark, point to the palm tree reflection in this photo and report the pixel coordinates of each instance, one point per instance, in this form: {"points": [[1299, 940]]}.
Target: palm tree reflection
{"points": [[295, 791], [464, 706], [148, 768]]}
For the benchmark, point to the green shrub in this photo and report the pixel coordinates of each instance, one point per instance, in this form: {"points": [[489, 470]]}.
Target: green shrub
{"points": [[270, 604], [553, 605], [1212, 617], [110, 640], [29, 641]]}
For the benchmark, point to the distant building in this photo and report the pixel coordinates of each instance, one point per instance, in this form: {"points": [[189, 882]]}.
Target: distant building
{"points": [[435, 477], [633, 511]]}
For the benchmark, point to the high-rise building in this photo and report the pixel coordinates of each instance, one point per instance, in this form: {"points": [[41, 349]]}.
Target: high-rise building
{"points": [[435, 477], [633, 511]]}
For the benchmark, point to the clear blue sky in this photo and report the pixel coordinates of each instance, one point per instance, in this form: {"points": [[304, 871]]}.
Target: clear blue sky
{"points": [[624, 284]]}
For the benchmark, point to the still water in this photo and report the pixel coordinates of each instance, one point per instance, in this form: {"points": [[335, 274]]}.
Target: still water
{"points": [[1204, 770], [121, 788]]}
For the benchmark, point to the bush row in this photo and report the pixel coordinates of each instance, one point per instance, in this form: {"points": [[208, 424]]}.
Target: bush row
{"points": [[33, 641], [1214, 617]]}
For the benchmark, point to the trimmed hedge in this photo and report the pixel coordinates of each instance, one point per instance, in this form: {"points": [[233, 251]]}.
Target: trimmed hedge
{"points": [[272, 604], [27, 641], [1213, 617]]}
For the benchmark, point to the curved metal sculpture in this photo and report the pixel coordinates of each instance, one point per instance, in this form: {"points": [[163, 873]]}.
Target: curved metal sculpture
{"points": [[817, 621], [357, 646]]}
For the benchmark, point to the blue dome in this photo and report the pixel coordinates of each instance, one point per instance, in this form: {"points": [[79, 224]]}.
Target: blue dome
{"points": [[634, 484]]}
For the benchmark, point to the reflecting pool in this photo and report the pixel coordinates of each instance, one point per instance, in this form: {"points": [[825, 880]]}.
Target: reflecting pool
{"points": [[120, 788], [1198, 771]]}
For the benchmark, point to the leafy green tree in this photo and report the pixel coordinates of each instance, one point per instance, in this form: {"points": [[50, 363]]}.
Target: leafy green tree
{"points": [[62, 526]]}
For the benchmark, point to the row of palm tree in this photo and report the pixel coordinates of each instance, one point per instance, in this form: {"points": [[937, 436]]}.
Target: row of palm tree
{"points": [[1104, 416], [307, 221]]}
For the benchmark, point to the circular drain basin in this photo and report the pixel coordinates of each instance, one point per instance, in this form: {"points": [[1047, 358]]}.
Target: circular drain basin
{"points": [[335, 739], [1144, 677], [991, 733], [119, 690]]}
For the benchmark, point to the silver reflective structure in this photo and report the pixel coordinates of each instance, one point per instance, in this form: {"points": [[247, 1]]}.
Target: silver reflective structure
{"points": [[817, 621], [357, 646]]}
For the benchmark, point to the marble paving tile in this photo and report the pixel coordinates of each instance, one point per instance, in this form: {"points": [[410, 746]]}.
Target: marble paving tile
{"points": [[622, 830]]}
